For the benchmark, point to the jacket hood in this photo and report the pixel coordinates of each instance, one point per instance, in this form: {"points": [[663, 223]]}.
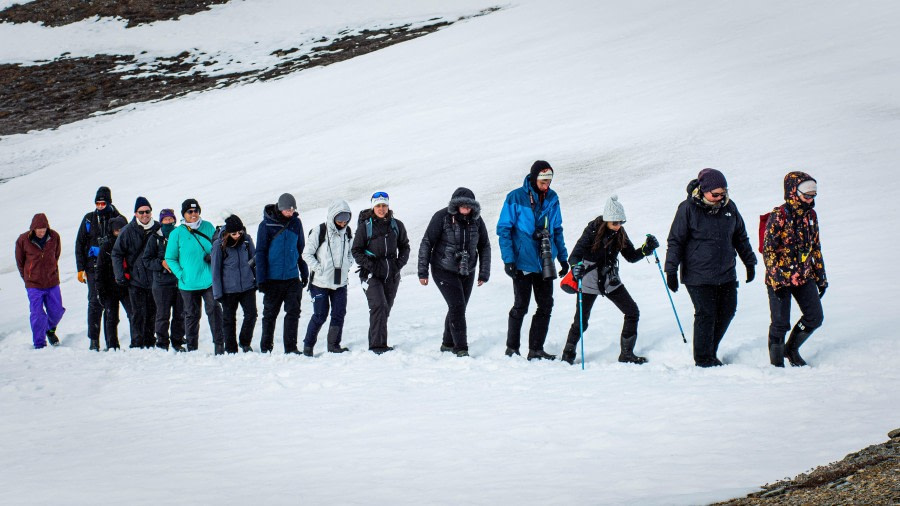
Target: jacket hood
{"points": [[791, 181], [336, 207], [368, 213], [39, 221], [695, 194], [466, 197], [271, 213]]}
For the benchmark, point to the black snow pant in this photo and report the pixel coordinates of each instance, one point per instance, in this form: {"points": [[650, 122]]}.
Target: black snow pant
{"points": [[621, 298], [143, 315], [523, 284], [714, 307], [95, 306], [230, 302], [169, 312], [380, 295], [192, 302], [111, 300], [807, 297], [456, 291], [278, 292]]}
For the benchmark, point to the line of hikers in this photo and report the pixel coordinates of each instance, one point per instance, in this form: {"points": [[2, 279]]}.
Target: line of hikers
{"points": [[162, 273]]}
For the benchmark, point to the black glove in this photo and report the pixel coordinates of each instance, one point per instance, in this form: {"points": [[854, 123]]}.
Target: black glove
{"points": [[563, 268], [751, 272], [822, 290], [649, 245], [672, 281], [303, 283], [510, 270], [578, 271], [263, 287], [122, 282]]}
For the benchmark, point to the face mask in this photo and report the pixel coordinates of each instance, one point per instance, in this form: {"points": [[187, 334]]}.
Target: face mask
{"points": [[167, 229]]}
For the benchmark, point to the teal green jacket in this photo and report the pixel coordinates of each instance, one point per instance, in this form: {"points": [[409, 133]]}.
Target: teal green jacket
{"points": [[185, 253]]}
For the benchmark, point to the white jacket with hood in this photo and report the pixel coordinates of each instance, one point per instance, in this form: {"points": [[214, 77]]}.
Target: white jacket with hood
{"points": [[334, 252]]}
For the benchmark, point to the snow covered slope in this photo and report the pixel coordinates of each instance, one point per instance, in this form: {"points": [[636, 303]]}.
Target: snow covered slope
{"points": [[633, 99]]}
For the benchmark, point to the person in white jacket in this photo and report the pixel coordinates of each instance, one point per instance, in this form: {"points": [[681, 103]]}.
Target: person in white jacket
{"points": [[327, 253]]}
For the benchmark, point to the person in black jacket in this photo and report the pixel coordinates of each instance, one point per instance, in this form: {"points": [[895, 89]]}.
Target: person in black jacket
{"points": [[111, 293], [93, 232], [454, 241], [595, 261], [706, 233], [167, 299], [132, 274], [381, 249], [234, 282]]}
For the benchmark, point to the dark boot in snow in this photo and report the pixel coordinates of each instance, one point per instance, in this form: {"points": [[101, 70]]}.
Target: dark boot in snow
{"points": [[627, 354], [462, 353], [540, 355], [798, 336], [246, 349], [51, 337], [308, 351], [568, 354], [219, 349], [776, 352], [380, 351], [446, 349], [512, 351], [334, 340], [95, 345]]}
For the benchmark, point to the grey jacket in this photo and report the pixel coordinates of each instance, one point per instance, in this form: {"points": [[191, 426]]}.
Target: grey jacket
{"points": [[334, 254], [231, 269]]}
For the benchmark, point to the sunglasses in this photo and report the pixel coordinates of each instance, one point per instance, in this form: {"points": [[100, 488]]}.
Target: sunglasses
{"points": [[100, 205], [380, 195], [191, 211], [145, 212], [807, 195], [616, 223], [238, 233], [717, 195]]}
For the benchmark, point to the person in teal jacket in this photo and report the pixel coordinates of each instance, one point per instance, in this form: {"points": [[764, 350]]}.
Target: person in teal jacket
{"points": [[188, 258], [531, 217]]}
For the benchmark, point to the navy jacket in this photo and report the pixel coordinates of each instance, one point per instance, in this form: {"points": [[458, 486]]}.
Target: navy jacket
{"points": [[128, 253], [279, 247], [231, 269], [154, 254]]}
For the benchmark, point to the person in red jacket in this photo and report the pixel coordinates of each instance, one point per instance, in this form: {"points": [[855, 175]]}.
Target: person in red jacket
{"points": [[37, 256]]}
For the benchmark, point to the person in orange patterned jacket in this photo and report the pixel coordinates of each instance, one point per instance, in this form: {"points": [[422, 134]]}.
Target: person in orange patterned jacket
{"points": [[794, 268]]}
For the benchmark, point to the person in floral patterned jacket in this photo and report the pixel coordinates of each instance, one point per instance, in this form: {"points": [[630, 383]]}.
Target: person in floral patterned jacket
{"points": [[794, 268]]}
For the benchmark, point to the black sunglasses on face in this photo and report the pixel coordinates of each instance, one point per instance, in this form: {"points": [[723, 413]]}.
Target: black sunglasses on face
{"points": [[145, 212], [718, 195], [191, 211]]}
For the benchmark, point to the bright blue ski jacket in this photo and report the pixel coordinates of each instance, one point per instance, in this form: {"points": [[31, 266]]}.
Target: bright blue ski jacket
{"points": [[518, 222]]}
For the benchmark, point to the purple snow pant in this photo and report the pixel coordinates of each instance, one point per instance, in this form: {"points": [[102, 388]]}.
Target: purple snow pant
{"points": [[46, 311]]}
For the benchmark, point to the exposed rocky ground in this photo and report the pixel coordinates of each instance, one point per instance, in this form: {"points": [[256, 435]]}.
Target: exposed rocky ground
{"points": [[869, 476], [53, 93], [59, 13]]}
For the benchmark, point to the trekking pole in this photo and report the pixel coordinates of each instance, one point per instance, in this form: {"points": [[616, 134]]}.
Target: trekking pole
{"points": [[580, 325], [670, 296]]}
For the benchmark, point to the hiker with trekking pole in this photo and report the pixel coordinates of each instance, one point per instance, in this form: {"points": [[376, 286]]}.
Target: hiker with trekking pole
{"points": [[595, 270]]}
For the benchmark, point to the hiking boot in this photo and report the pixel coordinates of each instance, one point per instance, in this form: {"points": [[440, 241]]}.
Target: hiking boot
{"points": [[462, 353], [338, 349], [512, 351], [540, 355], [95, 345], [445, 348], [379, 351], [219, 349], [308, 351], [568, 354], [246, 349], [295, 351], [179, 348], [627, 354], [51, 337]]}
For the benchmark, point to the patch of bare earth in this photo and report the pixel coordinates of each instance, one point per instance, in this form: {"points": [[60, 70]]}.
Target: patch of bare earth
{"points": [[869, 476]]}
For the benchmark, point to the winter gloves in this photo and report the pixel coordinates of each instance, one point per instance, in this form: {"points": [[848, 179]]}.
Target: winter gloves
{"points": [[649, 245], [751, 272], [510, 270], [81, 278], [672, 281], [563, 268], [578, 271], [822, 290]]}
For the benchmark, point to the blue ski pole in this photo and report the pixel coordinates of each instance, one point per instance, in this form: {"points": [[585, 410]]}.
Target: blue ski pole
{"points": [[670, 296], [580, 325]]}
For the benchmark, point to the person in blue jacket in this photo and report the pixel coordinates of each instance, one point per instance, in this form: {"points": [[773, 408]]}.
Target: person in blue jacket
{"points": [[281, 272], [530, 217], [234, 282]]}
